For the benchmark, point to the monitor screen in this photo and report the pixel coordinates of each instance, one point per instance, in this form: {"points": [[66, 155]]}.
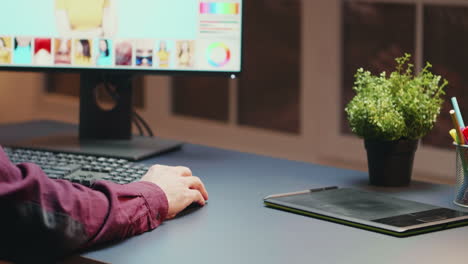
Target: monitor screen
{"points": [[145, 35]]}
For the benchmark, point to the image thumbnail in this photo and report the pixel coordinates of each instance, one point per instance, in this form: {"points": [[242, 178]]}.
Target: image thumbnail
{"points": [[185, 51], [62, 49], [104, 52], [123, 53], [43, 51], [164, 53], [22, 52], [144, 50], [83, 52], [86, 18], [5, 50]]}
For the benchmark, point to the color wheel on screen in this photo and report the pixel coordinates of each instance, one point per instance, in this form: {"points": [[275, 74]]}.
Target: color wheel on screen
{"points": [[218, 54]]}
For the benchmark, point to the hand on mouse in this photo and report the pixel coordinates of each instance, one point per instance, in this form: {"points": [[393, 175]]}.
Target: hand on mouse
{"points": [[179, 185]]}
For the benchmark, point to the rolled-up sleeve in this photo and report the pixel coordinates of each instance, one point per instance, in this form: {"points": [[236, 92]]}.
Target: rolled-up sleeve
{"points": [[51, 218]]}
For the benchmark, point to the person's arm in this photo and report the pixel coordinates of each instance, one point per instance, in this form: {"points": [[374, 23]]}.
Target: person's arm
{"points": [[52, 218]]}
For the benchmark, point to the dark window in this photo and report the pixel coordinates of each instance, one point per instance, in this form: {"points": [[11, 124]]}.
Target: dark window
{"points": [[269, 88], [445, 42], [374, 34], [202, 97]]}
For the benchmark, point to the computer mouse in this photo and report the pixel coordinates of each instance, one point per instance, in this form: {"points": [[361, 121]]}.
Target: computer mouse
{"points": [[190, 209]]}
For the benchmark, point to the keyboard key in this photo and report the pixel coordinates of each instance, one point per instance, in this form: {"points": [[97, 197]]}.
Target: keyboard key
{"points": [[55, 176], [76, 180], [54, 172], [68, 168], [87, 182]]}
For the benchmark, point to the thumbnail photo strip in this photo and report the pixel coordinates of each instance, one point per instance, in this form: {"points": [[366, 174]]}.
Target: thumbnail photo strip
{"points": [[108, 53]]}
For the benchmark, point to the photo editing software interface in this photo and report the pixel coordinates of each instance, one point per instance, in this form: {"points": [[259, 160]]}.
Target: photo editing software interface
{"points": [[152, 35]]}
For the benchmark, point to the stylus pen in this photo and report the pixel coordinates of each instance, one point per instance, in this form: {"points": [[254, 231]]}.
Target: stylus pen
{"points": [[458, 112], [301, 192], [456, 124]]}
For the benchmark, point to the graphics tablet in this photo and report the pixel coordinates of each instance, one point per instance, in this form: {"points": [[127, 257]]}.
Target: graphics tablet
{"points": [[368, 210]]}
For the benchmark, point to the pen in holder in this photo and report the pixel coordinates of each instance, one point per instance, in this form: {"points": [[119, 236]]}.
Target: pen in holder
{"points": [[461, 188]]}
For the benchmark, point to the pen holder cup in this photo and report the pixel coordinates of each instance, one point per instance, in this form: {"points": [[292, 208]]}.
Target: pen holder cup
{"points": [[461, 187]]}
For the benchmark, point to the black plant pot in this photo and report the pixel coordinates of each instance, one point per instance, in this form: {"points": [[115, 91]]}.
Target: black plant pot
{"points": [[390, 163]]}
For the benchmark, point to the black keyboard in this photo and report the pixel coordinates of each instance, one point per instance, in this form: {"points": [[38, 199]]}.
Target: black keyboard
{"points": [[82, 169]]}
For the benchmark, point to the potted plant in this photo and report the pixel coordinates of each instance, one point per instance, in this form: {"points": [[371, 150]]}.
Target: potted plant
{"points": [[392, 113]]}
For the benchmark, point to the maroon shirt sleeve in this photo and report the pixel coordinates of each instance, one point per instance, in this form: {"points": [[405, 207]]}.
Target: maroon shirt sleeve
{"points": [[48, 217]]}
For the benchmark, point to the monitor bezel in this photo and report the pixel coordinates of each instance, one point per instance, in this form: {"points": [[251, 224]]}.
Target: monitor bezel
{"points": [[117, 71]]}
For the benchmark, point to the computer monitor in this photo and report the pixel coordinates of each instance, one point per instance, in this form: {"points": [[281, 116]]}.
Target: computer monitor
{"points": [[108, 42]]}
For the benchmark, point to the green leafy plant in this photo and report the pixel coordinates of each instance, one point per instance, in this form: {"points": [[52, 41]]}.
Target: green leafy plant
{"points": [[400, 106]]}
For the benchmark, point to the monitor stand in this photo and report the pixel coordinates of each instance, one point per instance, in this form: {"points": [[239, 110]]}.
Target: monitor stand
{"points": [[106, 133]]}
